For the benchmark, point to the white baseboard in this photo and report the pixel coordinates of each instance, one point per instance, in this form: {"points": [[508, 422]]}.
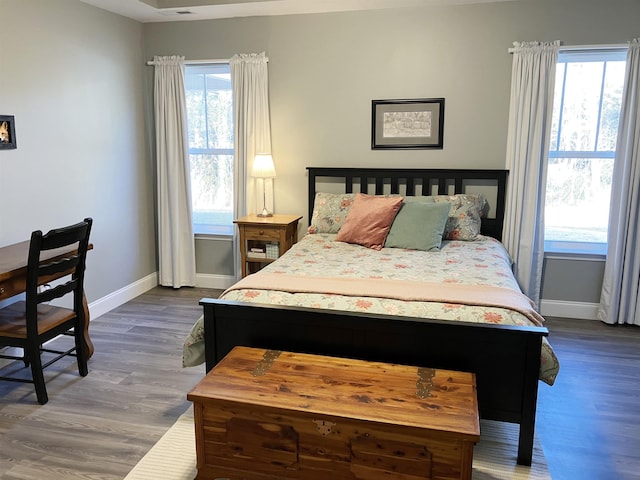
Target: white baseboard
{"points": [[565, 309], [205, 280], [123, 295]]}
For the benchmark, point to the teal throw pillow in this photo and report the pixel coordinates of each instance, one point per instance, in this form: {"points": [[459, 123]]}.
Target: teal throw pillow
{"points": [[418, 226]]}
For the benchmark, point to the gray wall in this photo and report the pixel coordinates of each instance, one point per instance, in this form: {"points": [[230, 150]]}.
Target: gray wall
{"points": [[73, 76], [325, 69], [572, 280]]}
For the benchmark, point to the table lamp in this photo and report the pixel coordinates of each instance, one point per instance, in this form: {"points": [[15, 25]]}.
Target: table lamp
{"points": [[263, 168]]}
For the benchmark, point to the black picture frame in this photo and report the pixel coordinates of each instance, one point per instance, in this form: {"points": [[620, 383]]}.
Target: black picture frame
{"points": [[7, 132], [414, 124]]}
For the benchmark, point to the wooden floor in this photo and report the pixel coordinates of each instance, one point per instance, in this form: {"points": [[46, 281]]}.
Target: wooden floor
{"points": [[98, 427], [589, 421]]}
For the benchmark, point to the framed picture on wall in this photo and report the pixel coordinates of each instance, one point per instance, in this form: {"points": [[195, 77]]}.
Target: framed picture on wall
{"points": [[7, 132], [417, 123]]}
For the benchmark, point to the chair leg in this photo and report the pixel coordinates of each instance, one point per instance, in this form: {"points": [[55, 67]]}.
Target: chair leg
{"points": [[33, 354], [81, 353]]}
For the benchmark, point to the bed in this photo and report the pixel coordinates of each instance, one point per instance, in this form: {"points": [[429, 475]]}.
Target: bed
{"points": [[404, 304]]}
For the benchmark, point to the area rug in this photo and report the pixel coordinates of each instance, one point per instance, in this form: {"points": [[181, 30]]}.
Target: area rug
{"points": [[494, 457]]}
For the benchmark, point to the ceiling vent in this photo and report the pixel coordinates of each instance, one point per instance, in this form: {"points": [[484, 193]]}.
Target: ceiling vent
{"points": [[176, 12]]}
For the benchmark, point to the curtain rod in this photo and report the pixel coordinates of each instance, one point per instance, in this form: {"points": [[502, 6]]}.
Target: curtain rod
{"points": [[195, 62], [200, 62], [613, 46]]}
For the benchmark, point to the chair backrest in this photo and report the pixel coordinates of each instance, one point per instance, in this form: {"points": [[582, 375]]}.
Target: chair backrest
{"points": [[45, 265]]}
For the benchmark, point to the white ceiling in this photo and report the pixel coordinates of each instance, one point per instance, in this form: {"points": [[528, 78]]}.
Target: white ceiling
{"points": [[180, 10]]}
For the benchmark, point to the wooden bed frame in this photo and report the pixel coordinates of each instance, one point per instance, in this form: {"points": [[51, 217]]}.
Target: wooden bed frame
{"points": [[505, 359]]}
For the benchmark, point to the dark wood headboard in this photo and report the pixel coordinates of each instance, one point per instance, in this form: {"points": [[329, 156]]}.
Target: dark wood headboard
{"points": [[417, 181]]}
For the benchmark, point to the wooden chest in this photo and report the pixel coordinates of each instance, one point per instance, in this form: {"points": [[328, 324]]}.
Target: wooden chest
{"points": [[267, 415]]}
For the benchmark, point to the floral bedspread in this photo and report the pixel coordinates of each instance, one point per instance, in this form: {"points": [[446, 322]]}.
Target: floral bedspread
{"points": [[481, 262]]}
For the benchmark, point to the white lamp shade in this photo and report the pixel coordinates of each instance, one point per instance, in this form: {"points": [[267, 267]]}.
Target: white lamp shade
{"points": [[263, 166]]}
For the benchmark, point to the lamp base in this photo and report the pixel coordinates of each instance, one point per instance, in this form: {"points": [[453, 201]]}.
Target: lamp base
{"points": [[265, 213]]}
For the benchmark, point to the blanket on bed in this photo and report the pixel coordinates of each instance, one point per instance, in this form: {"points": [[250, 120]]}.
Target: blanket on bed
{"points": [[477, 266], [407, 290]]}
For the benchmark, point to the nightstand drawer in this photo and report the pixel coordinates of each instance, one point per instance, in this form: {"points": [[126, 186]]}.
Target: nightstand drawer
{"points": [[261, 233]]}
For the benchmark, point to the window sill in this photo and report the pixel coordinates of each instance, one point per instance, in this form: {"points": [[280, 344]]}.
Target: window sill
{"points": [[209, 236], [213, 231], [575, 250]]}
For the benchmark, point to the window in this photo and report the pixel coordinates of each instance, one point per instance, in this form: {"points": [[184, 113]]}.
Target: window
{"points": [[587, 99], [210, 135]]}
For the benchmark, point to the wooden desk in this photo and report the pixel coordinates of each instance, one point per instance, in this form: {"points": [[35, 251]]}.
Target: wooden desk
{"points": [[13, 277]]}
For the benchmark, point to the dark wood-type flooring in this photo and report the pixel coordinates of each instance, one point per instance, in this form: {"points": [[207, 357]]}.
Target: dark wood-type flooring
{"points": [[588, 422], [98, 427]]}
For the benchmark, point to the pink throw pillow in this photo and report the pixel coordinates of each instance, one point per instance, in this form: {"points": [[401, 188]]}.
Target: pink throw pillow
{"points": [[369, 220]]}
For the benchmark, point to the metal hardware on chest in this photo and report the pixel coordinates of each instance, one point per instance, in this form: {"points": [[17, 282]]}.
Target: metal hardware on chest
{"points": [[324, 427], [424, 384], [266, 363]]}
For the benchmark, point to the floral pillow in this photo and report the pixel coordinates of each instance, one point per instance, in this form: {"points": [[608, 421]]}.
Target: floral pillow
{"points": [[330, 212], [465, 215]]}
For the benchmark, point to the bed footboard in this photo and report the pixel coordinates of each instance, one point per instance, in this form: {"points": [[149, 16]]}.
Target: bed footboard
{"points": [[505, 359]]}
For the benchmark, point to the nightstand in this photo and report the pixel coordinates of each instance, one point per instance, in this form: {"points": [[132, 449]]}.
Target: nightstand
{"points": [[264, 239]]}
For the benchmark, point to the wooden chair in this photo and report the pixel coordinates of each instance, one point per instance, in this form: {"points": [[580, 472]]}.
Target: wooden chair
{"points": [[31, 323]]}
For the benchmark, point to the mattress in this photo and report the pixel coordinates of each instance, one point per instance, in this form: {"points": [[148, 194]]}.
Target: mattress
{"points": [[483, 262]]}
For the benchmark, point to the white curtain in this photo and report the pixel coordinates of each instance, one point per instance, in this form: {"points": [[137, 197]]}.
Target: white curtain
{"points": [[252, 128], [176, 248], [531, 107], [620, 300]]}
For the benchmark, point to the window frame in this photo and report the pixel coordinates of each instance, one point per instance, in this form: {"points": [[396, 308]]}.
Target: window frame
{"points": [[569, 55], [206, 229]]}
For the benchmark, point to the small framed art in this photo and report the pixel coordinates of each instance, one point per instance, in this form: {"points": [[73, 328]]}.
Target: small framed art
{"points": [[417, 123], [7, 132]]}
